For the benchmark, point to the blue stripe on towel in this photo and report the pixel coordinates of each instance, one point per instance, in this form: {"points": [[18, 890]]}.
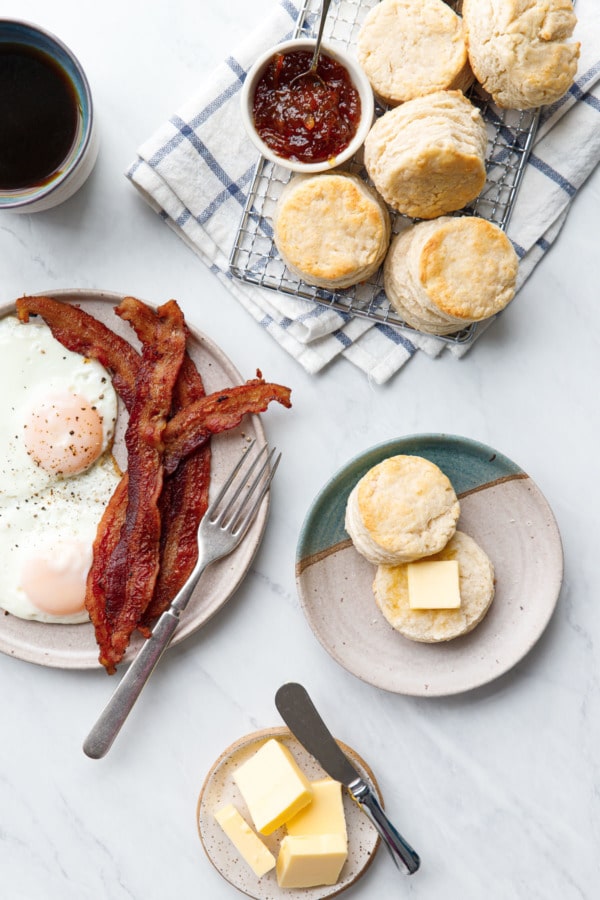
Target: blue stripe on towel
{"points": [[395, 336], [343, 338], [551, 173]]}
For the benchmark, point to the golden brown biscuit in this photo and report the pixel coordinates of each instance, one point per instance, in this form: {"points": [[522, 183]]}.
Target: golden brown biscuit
{"points": [[445, 274], [408, 48], [331, 229], [427, 157], [401, 509], [519, 51], [476, 584], [403, 290]]}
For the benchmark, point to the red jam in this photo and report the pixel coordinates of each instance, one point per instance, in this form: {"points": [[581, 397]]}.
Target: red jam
{"points": [[310, 120]]}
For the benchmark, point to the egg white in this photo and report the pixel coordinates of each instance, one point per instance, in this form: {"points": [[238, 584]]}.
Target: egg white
{"points": [[64, 513], [41, 513]]}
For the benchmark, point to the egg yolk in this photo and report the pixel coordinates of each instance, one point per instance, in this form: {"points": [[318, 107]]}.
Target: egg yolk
{"points": [[54, 581], [64, 434]]}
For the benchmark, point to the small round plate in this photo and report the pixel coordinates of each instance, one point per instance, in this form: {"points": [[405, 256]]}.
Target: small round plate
{"points": [[220, 789], [74, 646], [501, 508]]}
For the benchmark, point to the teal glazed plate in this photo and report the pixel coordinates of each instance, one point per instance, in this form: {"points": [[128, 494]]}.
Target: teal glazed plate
{"points": [[501, 508]]}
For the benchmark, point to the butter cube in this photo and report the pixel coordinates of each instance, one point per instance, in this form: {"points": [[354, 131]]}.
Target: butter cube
{"points": [[273, 786], [324, 814], [310, 860], [246, 842], [433, 584]]}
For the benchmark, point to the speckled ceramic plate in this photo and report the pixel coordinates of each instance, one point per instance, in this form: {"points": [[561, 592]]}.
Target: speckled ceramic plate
{"points": [[501, 508], [219, 789], [74, 646]]}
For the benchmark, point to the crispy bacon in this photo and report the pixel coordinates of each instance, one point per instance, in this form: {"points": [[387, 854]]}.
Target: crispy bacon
{"points": [[189, 429], [113, 600], [78, 331], [132, 569], [183, 502], [184, 496], [107, 537], [217, 412]]}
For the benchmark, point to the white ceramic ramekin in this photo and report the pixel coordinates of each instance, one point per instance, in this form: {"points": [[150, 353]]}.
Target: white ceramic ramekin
{"points": [[359, 80]]}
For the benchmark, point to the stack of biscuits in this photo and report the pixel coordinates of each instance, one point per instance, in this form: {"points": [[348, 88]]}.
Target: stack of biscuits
{"points": [[444, 274], [426, 158], [405, 509]]}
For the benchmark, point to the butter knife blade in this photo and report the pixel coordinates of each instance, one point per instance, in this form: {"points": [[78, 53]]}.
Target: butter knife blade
{"points": [[301, 716]]}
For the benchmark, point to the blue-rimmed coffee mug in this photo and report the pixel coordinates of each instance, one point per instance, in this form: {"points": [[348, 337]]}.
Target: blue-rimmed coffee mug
{"points": [[29, 49]]}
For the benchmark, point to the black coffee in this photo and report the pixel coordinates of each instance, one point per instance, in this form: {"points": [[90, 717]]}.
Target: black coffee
{"points": [[39, 113]]}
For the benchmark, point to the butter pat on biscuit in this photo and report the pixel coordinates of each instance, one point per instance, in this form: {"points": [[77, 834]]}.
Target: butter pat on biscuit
{"points": [[476, 584], [247, 843], [433, 585], [273, 786]]}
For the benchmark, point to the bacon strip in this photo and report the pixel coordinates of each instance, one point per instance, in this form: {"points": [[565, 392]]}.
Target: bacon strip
{"points": [[217, 412], [78, 331], [132, 569], [107, 537], [183, 503], [184, 496]]}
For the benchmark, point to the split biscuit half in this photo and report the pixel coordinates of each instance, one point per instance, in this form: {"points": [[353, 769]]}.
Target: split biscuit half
{"points": [[402, 509], [408, 48], [520, 52], [476, 585], [427, 156], [332, 230]]}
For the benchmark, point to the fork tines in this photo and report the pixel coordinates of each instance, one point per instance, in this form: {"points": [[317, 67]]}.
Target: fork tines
{"points": [[237, 520]]}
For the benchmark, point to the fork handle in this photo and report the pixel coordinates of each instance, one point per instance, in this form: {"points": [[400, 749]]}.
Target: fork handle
{"points": [[112, 717]]}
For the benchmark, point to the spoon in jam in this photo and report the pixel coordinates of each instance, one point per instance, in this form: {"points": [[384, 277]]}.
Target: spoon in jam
{"points": [[312, 69]]}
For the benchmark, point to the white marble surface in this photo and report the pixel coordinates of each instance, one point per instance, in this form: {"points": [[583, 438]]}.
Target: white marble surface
{"points": [[497, 788]]}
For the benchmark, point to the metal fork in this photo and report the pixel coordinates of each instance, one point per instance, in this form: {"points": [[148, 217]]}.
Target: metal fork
{"points": [[223, 526]]}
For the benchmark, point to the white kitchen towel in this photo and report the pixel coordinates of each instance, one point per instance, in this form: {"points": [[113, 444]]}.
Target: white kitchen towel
{"points": [[197, 167]]}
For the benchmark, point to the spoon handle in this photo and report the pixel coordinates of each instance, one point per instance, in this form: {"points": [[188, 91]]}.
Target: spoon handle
{"points": [[324, 9]]}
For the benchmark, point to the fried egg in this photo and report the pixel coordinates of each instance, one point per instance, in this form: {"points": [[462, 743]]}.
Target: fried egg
{"points": [[57, 420]]}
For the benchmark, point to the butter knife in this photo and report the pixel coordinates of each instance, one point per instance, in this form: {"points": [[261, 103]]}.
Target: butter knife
{"points": [[300, 715]]}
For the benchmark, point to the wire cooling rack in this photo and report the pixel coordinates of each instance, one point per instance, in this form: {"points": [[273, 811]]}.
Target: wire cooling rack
{"points": [[254, 257]]}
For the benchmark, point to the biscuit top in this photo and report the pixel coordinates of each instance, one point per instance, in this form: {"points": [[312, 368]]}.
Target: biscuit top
{"points": [[518, 49], [330, 226], [404, 499], [408, 48], [468, 268]]}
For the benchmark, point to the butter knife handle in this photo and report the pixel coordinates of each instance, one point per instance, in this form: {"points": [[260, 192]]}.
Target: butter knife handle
{"points": [[406, 859]]}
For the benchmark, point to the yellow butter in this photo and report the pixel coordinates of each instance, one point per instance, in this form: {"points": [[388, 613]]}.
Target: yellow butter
{"points": [[324, 814], [433, 584], [310, 860], [247, 843], [273, 786]]}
